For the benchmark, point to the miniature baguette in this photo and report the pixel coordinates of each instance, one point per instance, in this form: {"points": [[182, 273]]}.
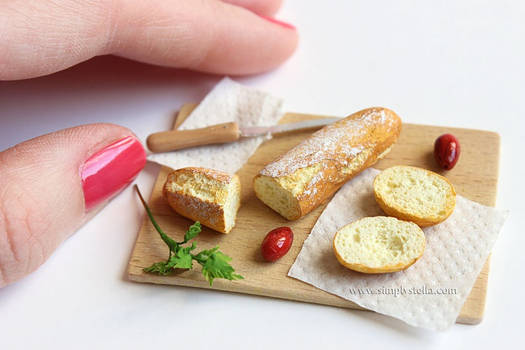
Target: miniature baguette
{"points": [[310, 173], [206, 195]]}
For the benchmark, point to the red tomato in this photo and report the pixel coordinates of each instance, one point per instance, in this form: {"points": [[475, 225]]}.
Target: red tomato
{"points": [[446, 151], [277, 243]]}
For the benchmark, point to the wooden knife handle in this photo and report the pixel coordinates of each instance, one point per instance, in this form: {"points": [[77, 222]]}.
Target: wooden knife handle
{"points": [[179, 139]]}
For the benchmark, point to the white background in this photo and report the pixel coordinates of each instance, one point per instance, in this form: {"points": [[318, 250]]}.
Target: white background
{"points": [[456, 63]]}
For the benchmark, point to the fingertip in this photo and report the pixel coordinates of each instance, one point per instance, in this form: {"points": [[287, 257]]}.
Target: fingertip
{"points": [[48, 183], [110, 169], [267, 44], [209, 36]]}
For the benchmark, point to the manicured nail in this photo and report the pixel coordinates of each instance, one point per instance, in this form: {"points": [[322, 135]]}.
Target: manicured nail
{"points": [[276, 21], [111, 169]]}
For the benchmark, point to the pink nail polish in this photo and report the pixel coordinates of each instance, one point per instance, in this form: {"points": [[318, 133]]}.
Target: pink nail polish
{"points": [[276, 21], [111, 169]]}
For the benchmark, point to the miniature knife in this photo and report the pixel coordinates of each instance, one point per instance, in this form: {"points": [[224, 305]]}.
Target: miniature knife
{"points": [[224, 133]]}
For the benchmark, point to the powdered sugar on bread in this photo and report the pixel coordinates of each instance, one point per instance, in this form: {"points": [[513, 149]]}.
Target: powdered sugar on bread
{"points": [[311, 172], [327, 141]]}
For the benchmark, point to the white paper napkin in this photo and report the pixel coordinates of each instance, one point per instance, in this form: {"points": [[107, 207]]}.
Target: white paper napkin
{"points": [[430, 293], [228, 101]]}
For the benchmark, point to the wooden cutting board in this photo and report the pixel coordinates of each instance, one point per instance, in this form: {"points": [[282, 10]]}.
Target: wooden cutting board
{"points": [[475, 177]]}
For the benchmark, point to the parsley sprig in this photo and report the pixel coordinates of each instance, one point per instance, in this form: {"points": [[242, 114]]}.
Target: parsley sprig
{"points": [[215, 264]]}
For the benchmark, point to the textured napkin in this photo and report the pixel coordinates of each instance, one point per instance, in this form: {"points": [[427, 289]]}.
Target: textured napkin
{"points": [[228, 101], [430, 293]]}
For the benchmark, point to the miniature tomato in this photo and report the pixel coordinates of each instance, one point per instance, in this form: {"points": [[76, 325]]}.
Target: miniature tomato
{"points": [[446, 151], [277, 243]]}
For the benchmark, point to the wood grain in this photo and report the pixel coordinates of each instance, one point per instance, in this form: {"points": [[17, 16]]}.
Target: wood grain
{"points": [[475, 177]]}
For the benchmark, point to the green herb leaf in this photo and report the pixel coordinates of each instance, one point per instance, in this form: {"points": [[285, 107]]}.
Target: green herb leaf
{"points": [[192, 232], [160, 268], [215, 264], [204, 255], [181, 259]]}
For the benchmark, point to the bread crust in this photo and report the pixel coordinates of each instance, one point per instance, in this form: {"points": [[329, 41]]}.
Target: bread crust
{"points": [[422, 221], [342, 150], [209, 213], [369, 270]]}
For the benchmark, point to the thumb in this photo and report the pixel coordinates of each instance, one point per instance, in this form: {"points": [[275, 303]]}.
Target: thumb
{"points": [[52, 184]]}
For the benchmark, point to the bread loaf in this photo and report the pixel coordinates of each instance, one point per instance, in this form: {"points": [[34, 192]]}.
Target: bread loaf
{"points": [[414, 194], [379, 244], [209, 196], [304, 177]]}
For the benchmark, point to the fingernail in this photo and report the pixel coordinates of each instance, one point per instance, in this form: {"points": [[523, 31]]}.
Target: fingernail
{"points": [[111, 169], [276, 21]]}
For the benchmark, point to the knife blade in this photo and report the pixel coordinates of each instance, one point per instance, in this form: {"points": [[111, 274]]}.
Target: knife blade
{"points": [[224, 133], [253, 131]]}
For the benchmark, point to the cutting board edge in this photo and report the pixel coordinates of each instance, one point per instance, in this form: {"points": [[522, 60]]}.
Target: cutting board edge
{"points": [[346, 304]]}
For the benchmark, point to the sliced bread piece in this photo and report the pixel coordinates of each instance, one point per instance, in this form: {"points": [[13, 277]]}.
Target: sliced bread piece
{"points": [[379, 244], [206, 195], [415, 194]]}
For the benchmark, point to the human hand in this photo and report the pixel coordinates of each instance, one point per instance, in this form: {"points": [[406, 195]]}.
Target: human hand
{"points": [[51, 185], [40, 37]]}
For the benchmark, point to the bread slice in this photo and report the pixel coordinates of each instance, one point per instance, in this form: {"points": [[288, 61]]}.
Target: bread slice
{"points": [[415, 194], [310, 173], [206, 195], [379, 244]]}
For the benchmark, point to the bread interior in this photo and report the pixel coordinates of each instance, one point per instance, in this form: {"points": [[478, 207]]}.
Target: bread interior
{"points": [[415, 191], [379, 242], [274, 195]]}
